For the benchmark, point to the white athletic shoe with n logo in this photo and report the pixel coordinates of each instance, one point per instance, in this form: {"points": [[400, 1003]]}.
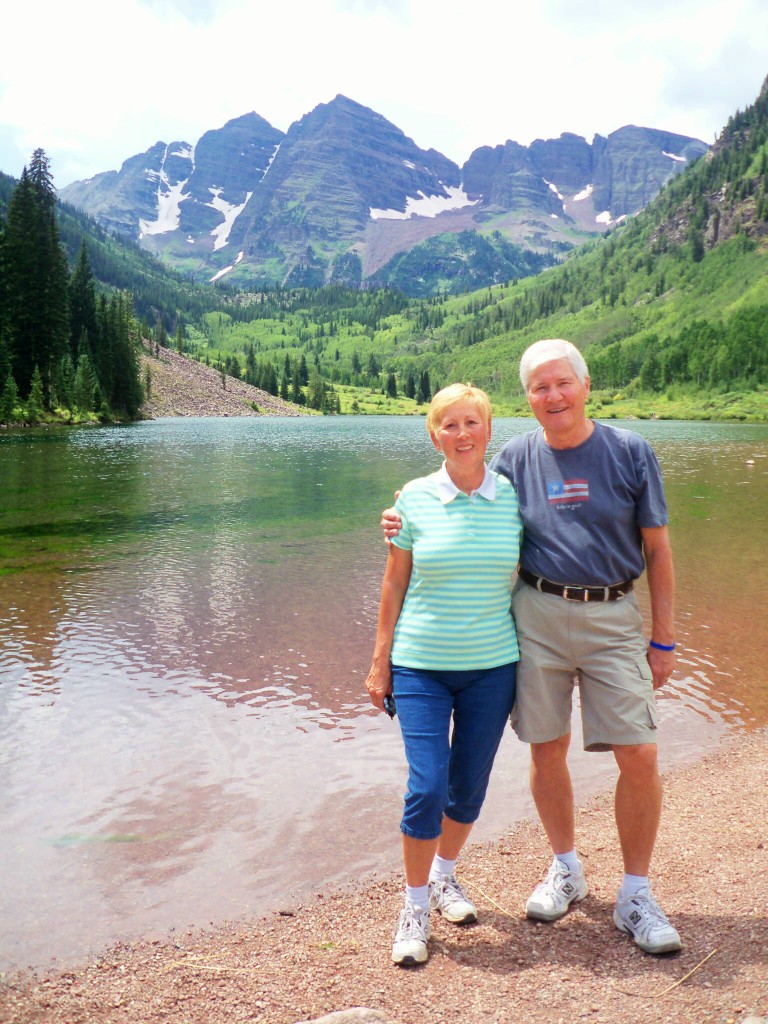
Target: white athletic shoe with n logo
{"points": [[641, 917], [552, 897]]}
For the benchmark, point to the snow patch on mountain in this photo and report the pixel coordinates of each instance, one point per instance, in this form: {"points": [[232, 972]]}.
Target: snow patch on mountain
{"points": [[428, 206], [584, 194], [553, 188], [271, 160], [168, 207], [675, 157], [186, 152], [226, 270], [230, 212]]}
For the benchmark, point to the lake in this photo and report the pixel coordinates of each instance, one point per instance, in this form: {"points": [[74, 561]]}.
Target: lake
{"points": [[187, 612]]}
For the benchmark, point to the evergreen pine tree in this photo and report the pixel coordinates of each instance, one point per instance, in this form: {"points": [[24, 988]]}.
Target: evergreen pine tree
{"points": [[35, 299], [102, 352], [126, 394], [297, 395], [82, 306], [5, 360], [20, 265], [251, 375], [8, 400], [316, 391], [85, 383], [53, 272], [63, 384], [42, 179], [35, 403]]}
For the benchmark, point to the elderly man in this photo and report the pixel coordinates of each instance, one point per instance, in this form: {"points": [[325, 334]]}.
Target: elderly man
{"points": [[594, 515]]}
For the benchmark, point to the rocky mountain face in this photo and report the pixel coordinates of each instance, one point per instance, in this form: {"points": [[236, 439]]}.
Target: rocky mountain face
{"points": [[591, 185], [344, 192]]}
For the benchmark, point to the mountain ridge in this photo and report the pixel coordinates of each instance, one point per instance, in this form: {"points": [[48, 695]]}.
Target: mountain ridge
{"points": [[344, 191]]}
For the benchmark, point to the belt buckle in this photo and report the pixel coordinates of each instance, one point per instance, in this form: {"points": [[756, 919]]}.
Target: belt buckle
{"points": [[583, 596]]}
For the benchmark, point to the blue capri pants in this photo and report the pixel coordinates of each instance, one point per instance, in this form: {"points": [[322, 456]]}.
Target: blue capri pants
{"points": [[449, 770]]}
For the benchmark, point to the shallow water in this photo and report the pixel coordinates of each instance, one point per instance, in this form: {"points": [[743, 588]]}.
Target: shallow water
{"points": [[187, 610]]}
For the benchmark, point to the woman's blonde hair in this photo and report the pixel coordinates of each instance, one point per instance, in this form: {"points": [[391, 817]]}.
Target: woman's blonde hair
{"points": [[457, 393]]}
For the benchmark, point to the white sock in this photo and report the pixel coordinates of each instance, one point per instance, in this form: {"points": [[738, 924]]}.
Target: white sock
{"points": [[441, 866], [417, 896], [633, 884], [570, 859]]}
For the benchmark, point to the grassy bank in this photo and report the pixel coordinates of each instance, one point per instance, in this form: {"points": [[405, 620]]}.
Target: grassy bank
{"points": [[675, 404], [203, 392]]}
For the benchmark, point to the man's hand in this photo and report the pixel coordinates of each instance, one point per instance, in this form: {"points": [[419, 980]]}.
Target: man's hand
{"points": [[661, 585], [391, 523], [662, 665]]}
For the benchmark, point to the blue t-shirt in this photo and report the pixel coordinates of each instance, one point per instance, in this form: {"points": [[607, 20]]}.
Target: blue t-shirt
{"points": [[583, 507], [456, 613]]}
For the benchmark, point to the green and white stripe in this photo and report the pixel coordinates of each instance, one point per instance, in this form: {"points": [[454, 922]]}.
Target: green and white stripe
{"points": [[456, 614]]}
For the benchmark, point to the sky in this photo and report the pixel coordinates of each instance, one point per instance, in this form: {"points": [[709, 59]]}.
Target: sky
{"points": [[93, 83]]}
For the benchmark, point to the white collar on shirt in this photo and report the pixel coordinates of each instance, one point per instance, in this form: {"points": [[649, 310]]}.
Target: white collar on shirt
{"points": [[447, 489]]}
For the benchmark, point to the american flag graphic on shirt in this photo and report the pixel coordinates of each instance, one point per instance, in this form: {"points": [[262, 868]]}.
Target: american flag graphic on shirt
{"points": [[562, 491]]}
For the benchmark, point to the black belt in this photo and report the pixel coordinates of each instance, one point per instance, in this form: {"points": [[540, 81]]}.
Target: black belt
{"points": [[613, 593]]}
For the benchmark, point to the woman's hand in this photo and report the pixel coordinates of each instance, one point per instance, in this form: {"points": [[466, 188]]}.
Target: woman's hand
{"points": [[394, 585], [379, 684]]}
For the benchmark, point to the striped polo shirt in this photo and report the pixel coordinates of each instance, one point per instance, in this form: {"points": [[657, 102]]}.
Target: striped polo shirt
{"points": [[456, 613]]}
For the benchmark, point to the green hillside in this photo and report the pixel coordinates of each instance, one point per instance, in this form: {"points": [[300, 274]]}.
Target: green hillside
{"points": [[460, 262]]}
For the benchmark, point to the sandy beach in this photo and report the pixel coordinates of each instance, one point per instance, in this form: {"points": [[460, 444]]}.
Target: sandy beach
{"points": [[332, 953]]}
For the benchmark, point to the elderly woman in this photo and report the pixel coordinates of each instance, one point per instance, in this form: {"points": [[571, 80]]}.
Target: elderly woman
{"points": [[446, 651]]}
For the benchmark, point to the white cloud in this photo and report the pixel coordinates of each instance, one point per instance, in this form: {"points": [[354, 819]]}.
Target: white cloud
{"points": [[93, 85]]}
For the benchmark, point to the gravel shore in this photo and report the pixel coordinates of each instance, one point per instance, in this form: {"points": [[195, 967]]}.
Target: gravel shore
{"points": [[332, 954]]}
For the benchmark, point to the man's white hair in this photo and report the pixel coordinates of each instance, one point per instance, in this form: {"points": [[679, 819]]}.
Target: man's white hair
{"points": [[545, 351]]}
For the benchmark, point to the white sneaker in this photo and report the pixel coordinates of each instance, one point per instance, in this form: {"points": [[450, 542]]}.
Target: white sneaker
{"points": [[642, 917], [552, 897], [447, 897], [410, 945]]}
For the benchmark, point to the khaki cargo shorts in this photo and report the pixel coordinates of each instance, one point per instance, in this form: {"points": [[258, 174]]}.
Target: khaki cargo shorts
{"points": [[597, 645]]}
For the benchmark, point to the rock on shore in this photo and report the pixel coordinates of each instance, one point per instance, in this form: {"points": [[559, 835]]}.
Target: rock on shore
{"points": [[180, 386]]}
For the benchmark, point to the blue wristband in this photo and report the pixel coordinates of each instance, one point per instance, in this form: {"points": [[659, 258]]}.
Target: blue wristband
{"points": [[661, 647]]}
